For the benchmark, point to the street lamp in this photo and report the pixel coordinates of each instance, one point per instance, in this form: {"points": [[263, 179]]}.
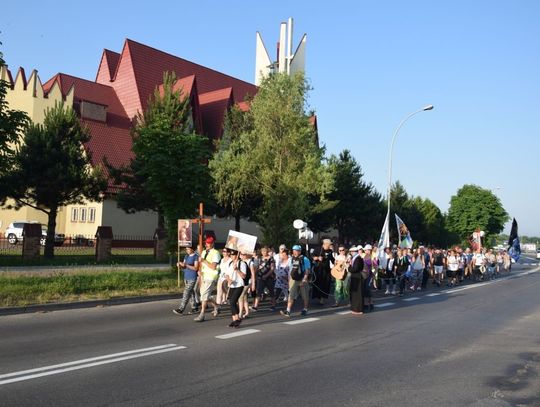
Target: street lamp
{"points": [[426, 108]]}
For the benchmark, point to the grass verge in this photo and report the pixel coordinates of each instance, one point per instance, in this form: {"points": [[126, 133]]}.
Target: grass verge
{"points": [[17, 290]]}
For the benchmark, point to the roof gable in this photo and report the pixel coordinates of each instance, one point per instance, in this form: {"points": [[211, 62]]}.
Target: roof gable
{"points": [[214, 106]]}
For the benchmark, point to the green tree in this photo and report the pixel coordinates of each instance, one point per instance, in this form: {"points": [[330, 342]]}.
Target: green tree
{"points": [[52, 169], [358, 212], [474, 207], [12, 124], [279, 158], [236, 197], [169, 169]]}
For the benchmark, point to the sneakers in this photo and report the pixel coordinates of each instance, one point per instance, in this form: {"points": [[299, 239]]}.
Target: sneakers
{"points": [[418, 288], [273, 309], [393, 292], [178, 311], [285, 313], [254, 309], [304, 312], [215, 312], [193, 311], [387, 292], [200, 318]]}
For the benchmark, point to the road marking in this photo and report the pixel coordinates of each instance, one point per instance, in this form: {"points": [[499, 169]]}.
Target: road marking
{"points": [[344, 312], [385, 304], [88, 365], [238, 333], [301, 321], [433, 294], [411, 299], [78, 362]]}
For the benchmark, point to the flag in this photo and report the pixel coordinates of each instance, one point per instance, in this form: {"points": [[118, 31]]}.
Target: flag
{"points": [[404, 236], [514, 248], [384, 240]]}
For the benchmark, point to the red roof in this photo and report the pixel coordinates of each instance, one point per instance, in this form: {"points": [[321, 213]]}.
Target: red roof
{"points": [[148, 65], [125, 82], [214, 105]]}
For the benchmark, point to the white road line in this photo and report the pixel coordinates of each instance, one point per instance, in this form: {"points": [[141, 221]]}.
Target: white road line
{"points": [[301, 321], [385, 304], [411, 299], [88, 365], [238, 333], [344, 312], [78, 362], [433, 294]]}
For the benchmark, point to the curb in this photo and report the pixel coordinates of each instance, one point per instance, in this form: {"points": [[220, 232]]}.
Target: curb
{"points": [[85, 304]]}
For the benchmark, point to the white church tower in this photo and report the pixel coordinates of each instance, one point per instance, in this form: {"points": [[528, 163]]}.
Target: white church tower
{"points": [[287, 61]]}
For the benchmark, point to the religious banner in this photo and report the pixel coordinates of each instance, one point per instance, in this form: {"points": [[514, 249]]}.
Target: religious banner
{"points": [[404, 236], [514, 248], [241, 242], [185, 238], [476, 240]]}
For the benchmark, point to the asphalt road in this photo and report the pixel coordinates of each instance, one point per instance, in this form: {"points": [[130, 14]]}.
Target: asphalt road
{"points": [[475, 345]]}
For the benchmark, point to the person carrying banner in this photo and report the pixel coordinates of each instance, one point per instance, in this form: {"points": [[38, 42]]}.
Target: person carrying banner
{"points": [[208, 273], [189, 266]]}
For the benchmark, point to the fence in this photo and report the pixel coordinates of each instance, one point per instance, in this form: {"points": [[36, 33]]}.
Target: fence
{"points": [[81, 249]]}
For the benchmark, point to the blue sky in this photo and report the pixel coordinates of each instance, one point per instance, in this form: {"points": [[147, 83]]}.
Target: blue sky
{"points": [[370, 64]]}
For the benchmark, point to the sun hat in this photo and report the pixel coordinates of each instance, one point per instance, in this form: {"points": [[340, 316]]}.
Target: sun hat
{"points": [[297, 247], [368, 247]]}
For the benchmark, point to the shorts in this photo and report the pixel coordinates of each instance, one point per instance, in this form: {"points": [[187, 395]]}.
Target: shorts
{"points": [[207, 288], [451, 273], [244, 295], [438, 269], [295, 288], [262, 284]]}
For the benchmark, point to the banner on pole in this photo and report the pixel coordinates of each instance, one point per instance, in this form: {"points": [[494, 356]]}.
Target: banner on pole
{"points": [[241, 242], [476, 240], [404, 236], [384, 240], [185, 237], [514, 248]]}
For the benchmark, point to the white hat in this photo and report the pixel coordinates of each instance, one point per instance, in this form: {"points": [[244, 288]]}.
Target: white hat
{"points": [[353, 249], [359, 247], [368, 247]]}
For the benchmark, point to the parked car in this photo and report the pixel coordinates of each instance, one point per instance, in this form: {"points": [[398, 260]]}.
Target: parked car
{"points": [[14, 234], [538, 253]]}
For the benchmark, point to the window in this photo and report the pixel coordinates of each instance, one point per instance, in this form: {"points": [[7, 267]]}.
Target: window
{"points": [[83, 214], [91, 215], [74, 214]]}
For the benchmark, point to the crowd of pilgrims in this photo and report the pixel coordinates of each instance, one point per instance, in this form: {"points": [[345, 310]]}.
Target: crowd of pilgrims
{"points": [[243, 281]]}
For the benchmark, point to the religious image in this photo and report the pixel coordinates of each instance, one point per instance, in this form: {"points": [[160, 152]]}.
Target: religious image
{"points": [[184, 233], [241, 242]]}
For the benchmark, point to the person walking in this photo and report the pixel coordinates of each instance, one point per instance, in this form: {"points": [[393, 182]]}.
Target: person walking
{"points": [[265, 278], [208, 274], [341, 292], [370, 265], [281, 288], [189, 266], [356, 285], [235, 275], [401, 266], [299, 267], [325, 261]]}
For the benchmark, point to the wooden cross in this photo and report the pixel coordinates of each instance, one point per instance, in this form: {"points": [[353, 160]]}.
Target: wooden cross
{"points": [[201, 220]]}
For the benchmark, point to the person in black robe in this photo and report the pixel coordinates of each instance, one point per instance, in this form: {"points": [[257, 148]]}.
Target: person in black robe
{"points": [[356, 289], [323, 279]]}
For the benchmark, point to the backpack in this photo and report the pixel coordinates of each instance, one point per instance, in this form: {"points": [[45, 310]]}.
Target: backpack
{"points": [[297, 269]]}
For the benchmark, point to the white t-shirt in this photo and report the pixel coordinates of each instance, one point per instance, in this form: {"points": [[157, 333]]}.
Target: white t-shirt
{"points": [[237, 280], [478, 259], [452, 262]]}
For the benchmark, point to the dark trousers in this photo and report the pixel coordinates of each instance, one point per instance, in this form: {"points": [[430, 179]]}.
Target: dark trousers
{"points": [[425, 277], [234, 295]]}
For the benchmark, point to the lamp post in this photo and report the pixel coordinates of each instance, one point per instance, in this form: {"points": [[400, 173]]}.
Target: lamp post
{"points": [[426, 108]]}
